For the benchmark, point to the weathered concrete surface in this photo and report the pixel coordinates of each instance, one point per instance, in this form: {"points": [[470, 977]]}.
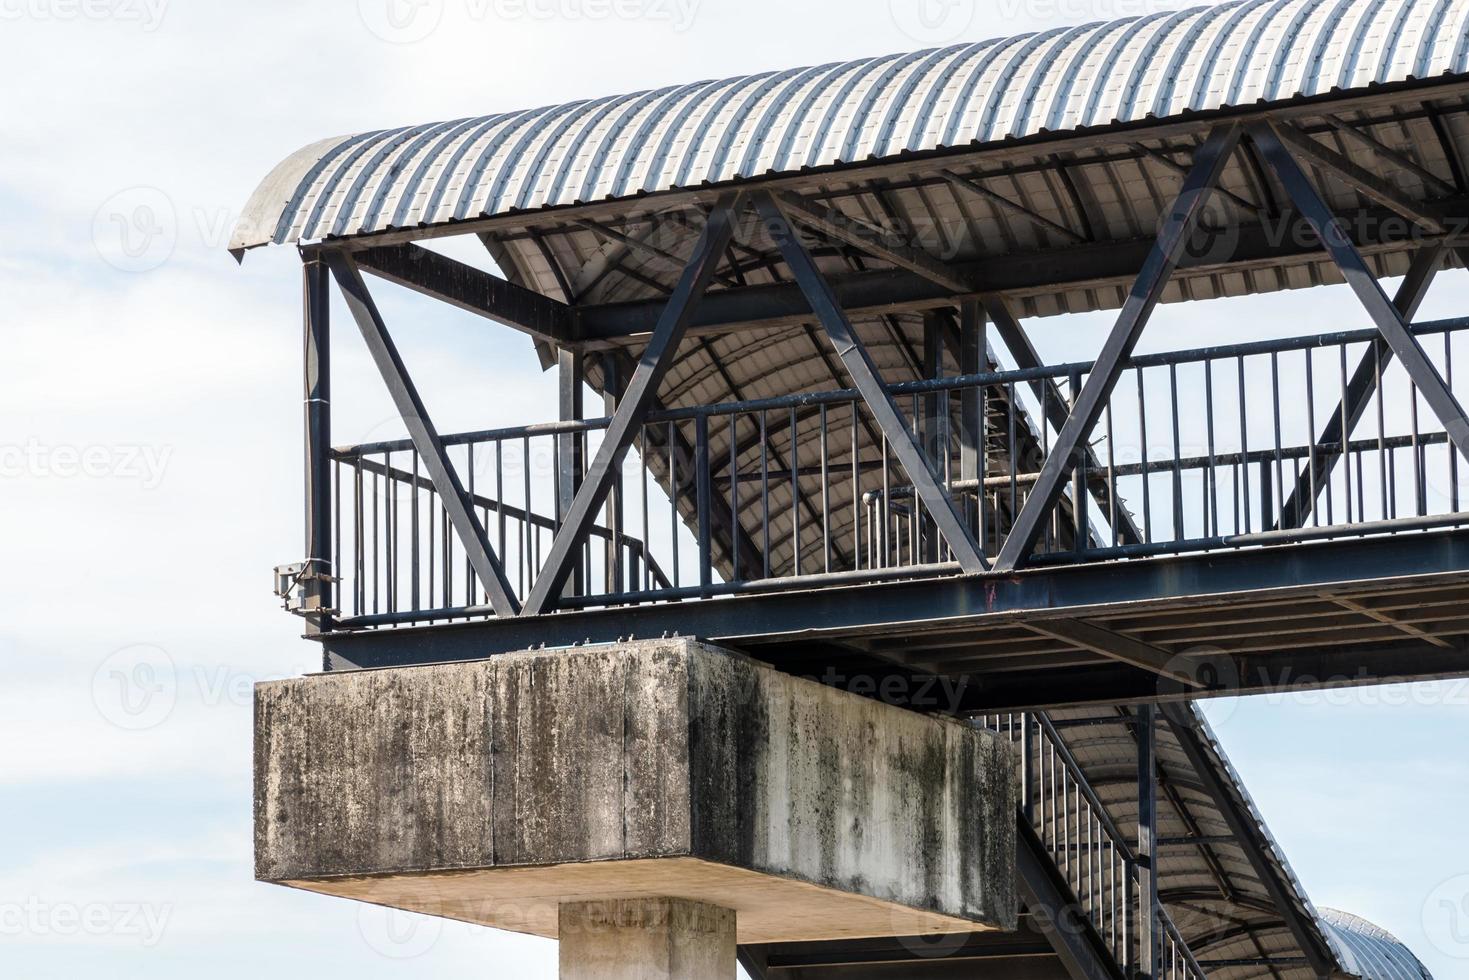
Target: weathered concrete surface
{"points": [[647, 939], [495, 791]]}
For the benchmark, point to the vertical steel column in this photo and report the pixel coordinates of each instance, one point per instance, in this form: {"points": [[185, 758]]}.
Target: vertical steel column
{"points": [[1148, 921], [973, 348], [612, 388], [571, 451], [316, 336], [935, 415]]}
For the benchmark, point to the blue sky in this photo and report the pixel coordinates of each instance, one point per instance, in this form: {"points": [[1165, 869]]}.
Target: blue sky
{"points": [[154, 402]]}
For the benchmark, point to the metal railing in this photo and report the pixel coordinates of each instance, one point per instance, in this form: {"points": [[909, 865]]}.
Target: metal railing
{"points": [[1086, 847], [1223, 448]]}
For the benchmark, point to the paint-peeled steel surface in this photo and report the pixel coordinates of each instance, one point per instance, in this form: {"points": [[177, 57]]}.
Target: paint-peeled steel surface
{"points": [[1072, 78]]}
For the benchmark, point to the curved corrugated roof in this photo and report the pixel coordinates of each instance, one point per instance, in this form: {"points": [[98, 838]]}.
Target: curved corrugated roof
{"points": [[1369, 951], [1157, 66]]}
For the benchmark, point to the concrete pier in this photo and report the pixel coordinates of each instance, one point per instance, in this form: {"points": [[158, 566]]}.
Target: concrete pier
{"points": [[513, 792], [647, 939]]}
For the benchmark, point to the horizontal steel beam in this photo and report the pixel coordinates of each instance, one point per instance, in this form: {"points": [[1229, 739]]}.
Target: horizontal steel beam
{"points": [[972, 602], [1079, 267], [1116, 646], [471, 289], [1361, 179], [880, 242]]}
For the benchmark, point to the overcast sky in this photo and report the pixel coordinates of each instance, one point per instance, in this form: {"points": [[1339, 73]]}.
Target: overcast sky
{"points": [[150, 430]]}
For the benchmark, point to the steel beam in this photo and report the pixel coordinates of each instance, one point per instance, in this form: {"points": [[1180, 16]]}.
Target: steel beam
{"points": [[868, 381], [641, 391], [878, 242], [753, 961], [570, 447], [1395, 330], [973, 186], [1257, 848], [1354, 176], [722, 521], [456, 502], [806, 619], [1431, 180], [1116, 646], [1209, 163], [1049, 394], [318, 575], [885, 291], [973, 358], [473, 290], [1359, 392], [1149, 922]]}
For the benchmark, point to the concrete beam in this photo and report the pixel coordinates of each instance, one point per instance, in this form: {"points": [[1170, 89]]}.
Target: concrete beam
{"points": [[495, 791]]}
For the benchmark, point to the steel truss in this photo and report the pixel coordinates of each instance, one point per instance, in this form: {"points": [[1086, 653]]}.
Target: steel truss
{"points": [[966, 525]]}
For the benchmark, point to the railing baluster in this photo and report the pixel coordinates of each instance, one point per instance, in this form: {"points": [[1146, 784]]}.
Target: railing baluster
{"points": [[1244, 448], [734, 493], [825, 495], [1142, 428], [795, 494], [704, 499], [1177, 455], [1211, 505], [764, 495], [1448, 358], [359, 603]]}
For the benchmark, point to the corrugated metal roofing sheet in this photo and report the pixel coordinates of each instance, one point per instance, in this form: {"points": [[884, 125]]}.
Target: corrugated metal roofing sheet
{"points": [[1370, 951], [1160, 66]]}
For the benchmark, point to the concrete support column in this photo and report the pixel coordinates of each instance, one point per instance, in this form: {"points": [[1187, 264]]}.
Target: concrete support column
{"points": [[647, 939]]}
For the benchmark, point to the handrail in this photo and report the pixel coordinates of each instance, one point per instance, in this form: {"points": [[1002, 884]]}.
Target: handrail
{"points": [[987, 379], [1089, 862], [1208, 450]]}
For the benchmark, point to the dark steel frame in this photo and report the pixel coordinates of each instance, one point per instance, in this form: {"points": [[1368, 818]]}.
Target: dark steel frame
{"points": [[960, 588]]}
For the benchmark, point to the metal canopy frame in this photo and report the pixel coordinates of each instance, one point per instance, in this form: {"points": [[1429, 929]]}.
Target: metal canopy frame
{"points": [[1166, 253], [854, 289], [633, 406], [868, 380]]}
